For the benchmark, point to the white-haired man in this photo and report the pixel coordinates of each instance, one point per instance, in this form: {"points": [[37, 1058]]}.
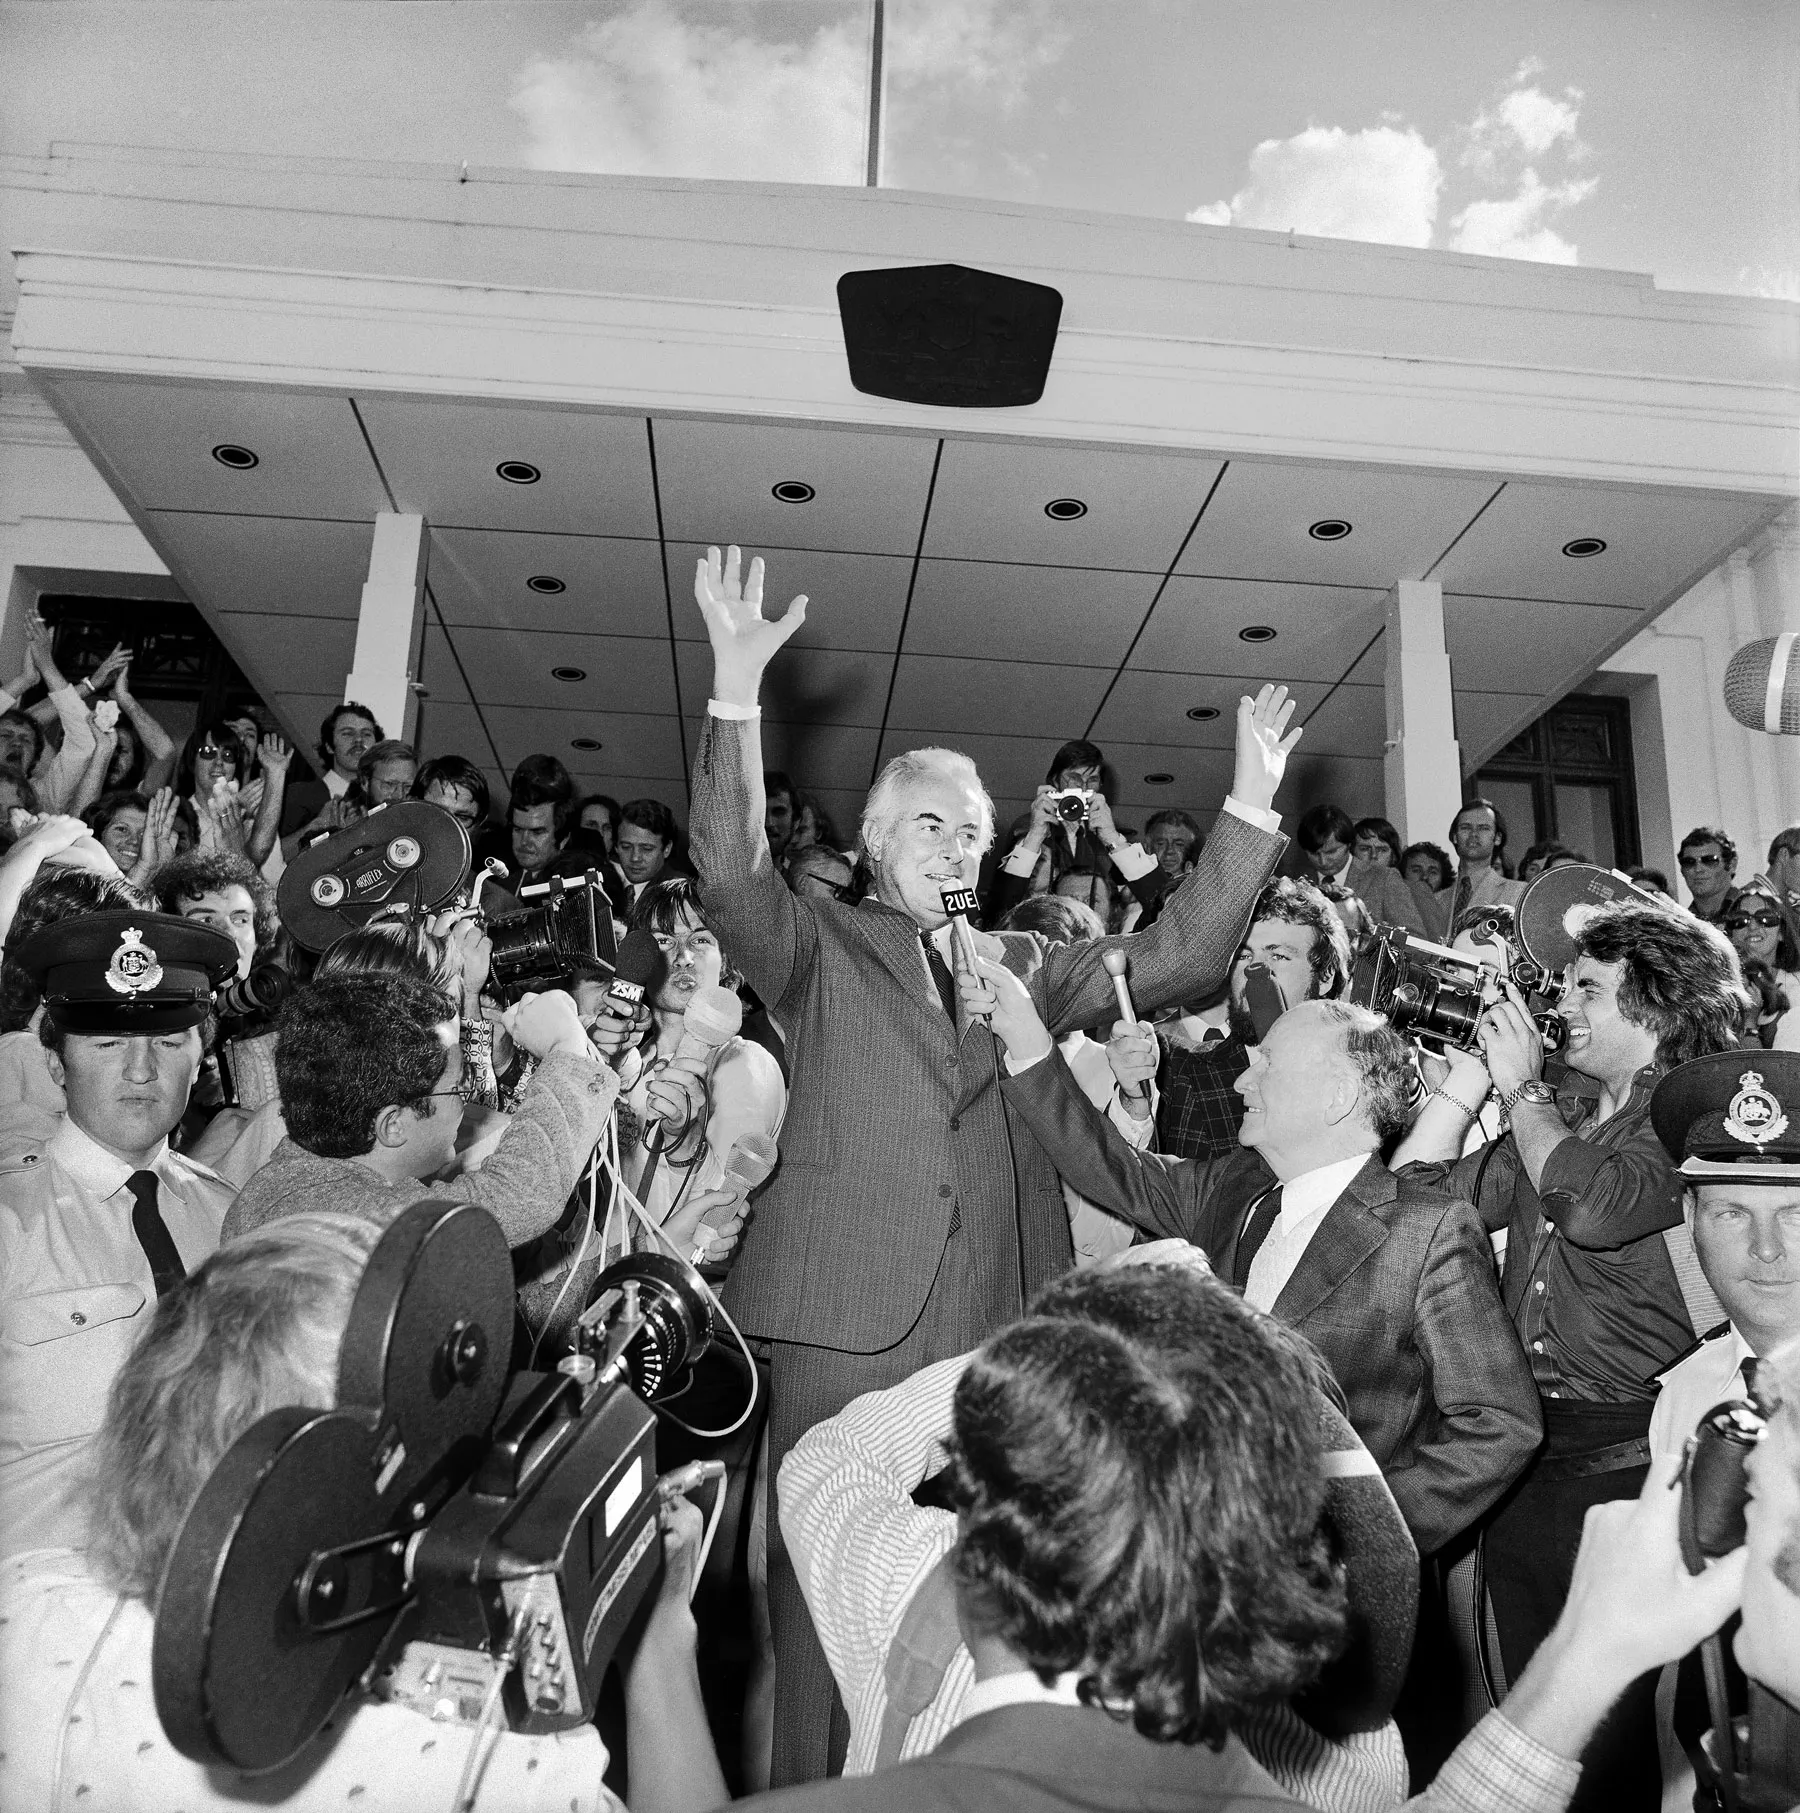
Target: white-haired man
{"points": [[910, 1217]]}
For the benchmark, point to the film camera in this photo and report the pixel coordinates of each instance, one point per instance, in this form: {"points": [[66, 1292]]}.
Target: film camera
{"points": [[409, 1544], [561, 931], [1071, 805], [1435, 994]]}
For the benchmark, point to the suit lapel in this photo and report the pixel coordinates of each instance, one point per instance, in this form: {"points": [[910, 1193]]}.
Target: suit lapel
{"points": [[1353, 1228]]}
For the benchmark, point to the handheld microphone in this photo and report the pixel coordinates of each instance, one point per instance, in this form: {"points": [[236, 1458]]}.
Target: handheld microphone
{"points": [[959, 903], [753, 1157], [635, 968], [1262, 999], [1116, 963], [713, 1016]]}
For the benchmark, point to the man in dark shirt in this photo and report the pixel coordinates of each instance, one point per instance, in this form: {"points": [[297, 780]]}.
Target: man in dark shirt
{"points": [[1586, 1194], [1301, 941]]}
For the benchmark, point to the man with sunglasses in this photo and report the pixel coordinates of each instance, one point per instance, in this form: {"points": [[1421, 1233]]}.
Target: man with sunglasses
{"points": [[1708, 861]]}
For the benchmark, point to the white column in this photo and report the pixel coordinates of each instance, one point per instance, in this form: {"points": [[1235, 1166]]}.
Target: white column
{"points": [[1424, 764], [390, 625]]}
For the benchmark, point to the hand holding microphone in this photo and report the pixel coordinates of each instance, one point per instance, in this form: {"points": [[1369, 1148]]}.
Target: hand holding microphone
{"points": [[1132, 1049], [678, 1092]]}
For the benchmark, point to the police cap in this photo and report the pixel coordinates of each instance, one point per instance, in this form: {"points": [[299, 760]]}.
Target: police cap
{"points": [[125, 972], [1732, 1115]]}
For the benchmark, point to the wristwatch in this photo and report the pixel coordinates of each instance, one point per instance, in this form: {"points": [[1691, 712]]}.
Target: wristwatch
{"points": [[1538, 1093]]}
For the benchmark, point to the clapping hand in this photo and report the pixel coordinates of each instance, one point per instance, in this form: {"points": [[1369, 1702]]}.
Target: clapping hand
{"points": [[743, 640], [1264, 743], [112, 668], [158, 845]]}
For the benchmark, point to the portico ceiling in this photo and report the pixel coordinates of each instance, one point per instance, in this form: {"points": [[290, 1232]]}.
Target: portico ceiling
{"points": [[948, 602]]}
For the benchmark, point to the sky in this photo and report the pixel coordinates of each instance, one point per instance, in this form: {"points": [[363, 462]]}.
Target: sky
{"points": [[1627, 134]]}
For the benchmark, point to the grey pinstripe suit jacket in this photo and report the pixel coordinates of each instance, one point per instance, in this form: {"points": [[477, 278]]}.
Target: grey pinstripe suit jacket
{"points": [[894, 1119]]}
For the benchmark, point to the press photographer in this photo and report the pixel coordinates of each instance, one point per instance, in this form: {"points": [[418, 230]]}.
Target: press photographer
{"points": [[1585, 1193]]}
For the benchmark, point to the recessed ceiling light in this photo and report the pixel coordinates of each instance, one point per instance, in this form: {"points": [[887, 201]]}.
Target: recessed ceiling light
{"points": [[1065, 509], [793, 491], [239, 459], [1331, 528], [1256, 632], [1584, 547], [1203, 714], [518, 472], [570, 674], [587, 743], [1158, 779], [545, 582]]}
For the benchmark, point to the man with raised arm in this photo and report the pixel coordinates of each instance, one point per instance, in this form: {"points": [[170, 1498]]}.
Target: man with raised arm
{"points": [[911, 1215]]}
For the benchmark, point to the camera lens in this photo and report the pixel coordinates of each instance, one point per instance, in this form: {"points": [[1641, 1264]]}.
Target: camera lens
{"points": [[1071, 807]]}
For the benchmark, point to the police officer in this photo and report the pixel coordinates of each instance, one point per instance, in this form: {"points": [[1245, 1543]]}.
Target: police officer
{"points": [[105, 1218], [1731, 1124]]}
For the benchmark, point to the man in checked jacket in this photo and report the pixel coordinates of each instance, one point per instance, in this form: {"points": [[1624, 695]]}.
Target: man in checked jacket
{"points": [[910, 1215]]}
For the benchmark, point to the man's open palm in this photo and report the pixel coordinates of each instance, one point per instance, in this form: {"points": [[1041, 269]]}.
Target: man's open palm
{"points": [[743, 640]]}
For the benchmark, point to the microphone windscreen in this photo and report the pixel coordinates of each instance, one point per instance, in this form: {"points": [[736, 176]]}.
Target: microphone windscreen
{"points": [[1762, 685], [753, 1157], [713, 1015], [635, 970]]}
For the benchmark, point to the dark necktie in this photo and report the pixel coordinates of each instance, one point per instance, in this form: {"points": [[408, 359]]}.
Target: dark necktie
{"points": [[1747, 1366], [153, 1233], [940, 974], [1256, 1230]]}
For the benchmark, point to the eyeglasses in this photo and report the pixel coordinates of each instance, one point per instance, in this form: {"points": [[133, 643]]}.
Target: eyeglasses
{"points": [[1714, 861], [464, 1091], [213, 752], [1770, 922]]}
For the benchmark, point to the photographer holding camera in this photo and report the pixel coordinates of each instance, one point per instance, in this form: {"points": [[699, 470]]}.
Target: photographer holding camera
{"points": [[1585, 1193]]}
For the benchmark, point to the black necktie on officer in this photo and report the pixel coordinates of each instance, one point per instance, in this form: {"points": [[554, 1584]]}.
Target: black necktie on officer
{"points": [[1256, 1230], [153, 1233]]}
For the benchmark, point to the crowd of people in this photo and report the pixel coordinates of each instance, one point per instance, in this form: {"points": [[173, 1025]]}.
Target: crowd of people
{"points": [[1211, 1395]]}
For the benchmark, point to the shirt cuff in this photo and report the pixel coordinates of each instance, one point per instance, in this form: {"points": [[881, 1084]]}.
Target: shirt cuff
{"points": [[1022, 862], [717, 708], [1497, 1764], [1134, 862], [1259, 816], [1014, 1068]]}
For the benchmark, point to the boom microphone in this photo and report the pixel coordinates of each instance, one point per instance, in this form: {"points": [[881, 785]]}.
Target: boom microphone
{"points": [[1116, 964]]}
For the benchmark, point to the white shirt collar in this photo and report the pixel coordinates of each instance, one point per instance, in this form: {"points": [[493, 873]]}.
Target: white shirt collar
{"points": [[335, 784], [1314, 1191], [1342, 869], [90, 1164], [1021, 1689]]}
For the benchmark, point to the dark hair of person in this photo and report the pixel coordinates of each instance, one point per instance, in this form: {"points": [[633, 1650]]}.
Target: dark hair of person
{"points": [[1173, 815], [775, 782], [1679, 977], [223, 738], [391, 947], [1446, 863], [454, 771], [186, 878], [1077, 753], [330, 722], [1469, 805], [1503, 919], [1055, 918], [541, 780], [824, 831], [1706, 834], [15, 716], [1765, 900], [1135, 1466], [128, 777], [54, 894], [390, 749], [823, 863], [1784, 843], [607, 803], [1321, 824], [649, 815], [1300, 903], [664, 904], [1653, 878], [1378, 827], [348, 1047]]}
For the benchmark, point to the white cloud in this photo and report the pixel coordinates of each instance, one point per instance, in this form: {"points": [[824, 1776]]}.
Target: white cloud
{"points": [[651, 93], [1516, 225], [1377, 184], [1537, 120]]}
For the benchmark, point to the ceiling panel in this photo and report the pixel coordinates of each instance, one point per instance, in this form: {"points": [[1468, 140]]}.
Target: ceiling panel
{"points": [[1352, 721], [833, 756], [804, 685], [1655, 541], [159, 438], [717, 482], [302, 713], [853, 601], [619, 673], [276, 646], [990, 501], [1010, 767], [612, 586], [448, 728], [627, 787], [1077, 619], [645, 745], [1154, 706], [1356, 784], [1202, 777], [1256, 526], [1523, 644], [439, 677], [265, 563], [1320, 630], [1008, 698], [440, 459]]}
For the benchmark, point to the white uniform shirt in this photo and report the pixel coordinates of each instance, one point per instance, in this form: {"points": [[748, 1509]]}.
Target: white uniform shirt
{"points": [[1304, 1201], [1712, 1374], [76, 1291]]}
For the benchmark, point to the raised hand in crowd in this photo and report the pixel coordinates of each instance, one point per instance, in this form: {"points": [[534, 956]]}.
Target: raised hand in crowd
{"points": [[1134, 1054], [1264, 743], [110, 671], [158, 846], [221, 820], [38, 645], [273, 754], [547, 1024], [743, 640]]}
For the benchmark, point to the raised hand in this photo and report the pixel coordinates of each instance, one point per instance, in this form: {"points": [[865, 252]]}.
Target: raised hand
{"points": [[743, 640], [1263, 745], [274, 754], [158, 845], [1134, 1054], [113, 667]]}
